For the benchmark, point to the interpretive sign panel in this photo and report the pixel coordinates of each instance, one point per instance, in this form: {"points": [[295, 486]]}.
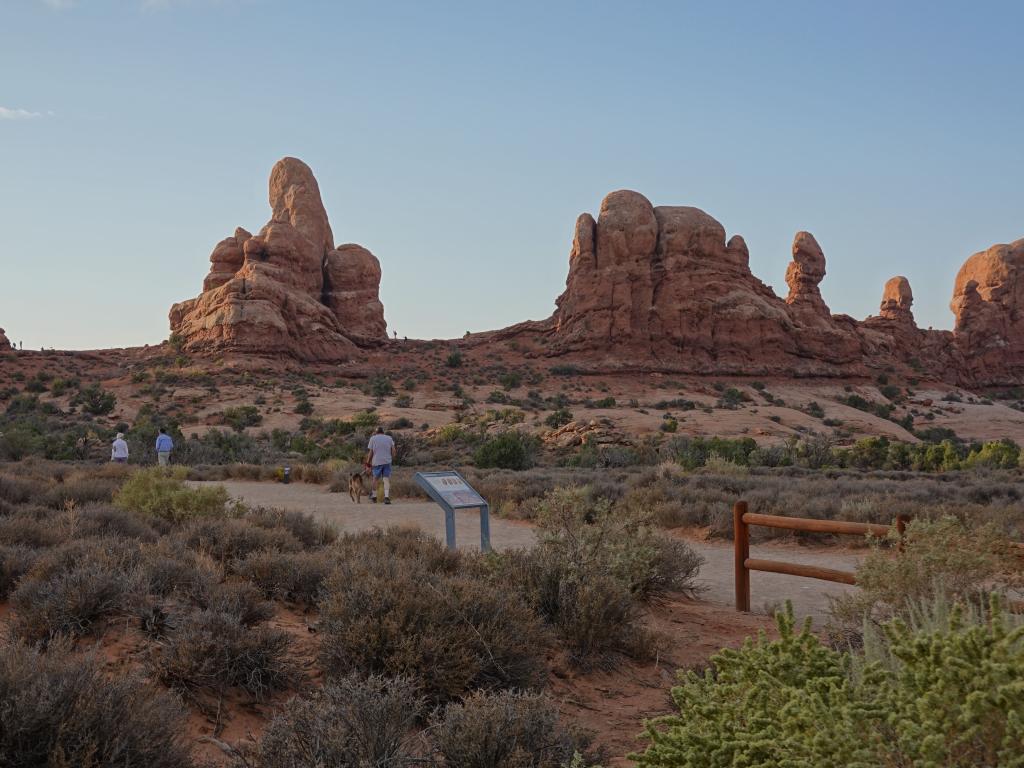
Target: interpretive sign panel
{"points": [[452, 492]]}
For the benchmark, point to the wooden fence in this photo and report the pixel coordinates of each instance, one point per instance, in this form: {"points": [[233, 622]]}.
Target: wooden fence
{"points": [[742, 520]]}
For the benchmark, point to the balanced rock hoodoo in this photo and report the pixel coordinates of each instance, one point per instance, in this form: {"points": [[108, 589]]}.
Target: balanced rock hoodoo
{"points": [[288, 289]]}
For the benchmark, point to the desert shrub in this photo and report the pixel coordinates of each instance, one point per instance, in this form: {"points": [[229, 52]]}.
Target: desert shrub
{"points": [[105, 520], [170, 568], [95, 400], [558, 418], [403, 401], [241, 601], [158, 493], [509, 450], [81, 490], [593, 568], [509, 729], [72, 602], [454, 360], [365, 420], [27, 529], [230, 539], [380, 387], [940, 558], [241, 416], [351, 723], [376, 546], [296, 576], [15, 561], [452, 634], [302, 526], [941, 692], [210, 651], [63, 710], [304, 407], [17, 490]]}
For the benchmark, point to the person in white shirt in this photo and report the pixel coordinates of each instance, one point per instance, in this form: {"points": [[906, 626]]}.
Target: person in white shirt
{"points": [[379, 454], [119, 449]]}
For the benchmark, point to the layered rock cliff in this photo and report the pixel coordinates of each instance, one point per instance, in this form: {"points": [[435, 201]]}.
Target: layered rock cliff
{"points": [[287, 290]]}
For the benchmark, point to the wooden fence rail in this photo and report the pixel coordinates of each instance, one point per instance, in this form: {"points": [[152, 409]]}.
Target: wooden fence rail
{"points": [[742, 520]]}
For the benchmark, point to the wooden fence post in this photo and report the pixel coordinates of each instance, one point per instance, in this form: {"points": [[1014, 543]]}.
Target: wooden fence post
{"points": [[741, 548], [901, 528]]}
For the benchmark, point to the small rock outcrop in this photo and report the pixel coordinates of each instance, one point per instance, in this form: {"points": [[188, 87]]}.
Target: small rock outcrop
{"points": [[803, 274], [288, 289], [4, 343]]}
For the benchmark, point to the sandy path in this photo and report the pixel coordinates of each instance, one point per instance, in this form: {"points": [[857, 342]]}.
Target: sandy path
{"points": [[809, 596]]}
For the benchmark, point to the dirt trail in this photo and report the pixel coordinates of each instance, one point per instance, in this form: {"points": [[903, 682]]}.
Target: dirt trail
{"points": [[809, 596]]}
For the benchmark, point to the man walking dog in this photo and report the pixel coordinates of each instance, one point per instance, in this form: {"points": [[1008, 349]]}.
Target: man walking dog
{"points": [[379, 454]]}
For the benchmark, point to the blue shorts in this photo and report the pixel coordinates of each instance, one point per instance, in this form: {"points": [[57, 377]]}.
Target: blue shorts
{"points": [[382, 470]]}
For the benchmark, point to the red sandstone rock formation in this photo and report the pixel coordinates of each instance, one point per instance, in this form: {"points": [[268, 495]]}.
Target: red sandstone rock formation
{"points": [[988, 301], [287, 290], [4, 343], [659, 288]]}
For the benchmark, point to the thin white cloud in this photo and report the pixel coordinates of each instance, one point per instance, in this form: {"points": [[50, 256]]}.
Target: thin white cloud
{"points": [[18, 114]]}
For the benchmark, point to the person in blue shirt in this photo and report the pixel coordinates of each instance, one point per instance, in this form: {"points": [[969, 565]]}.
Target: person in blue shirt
{"points": [[164, 446]]}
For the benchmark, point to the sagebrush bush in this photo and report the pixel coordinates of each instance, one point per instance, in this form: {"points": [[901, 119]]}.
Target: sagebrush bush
{"points": [[943, 694], [159, 492], [230, 539], [294, 576], [211, 651], [593, 568], [452, 634], [69, 603], [240, 600], [105, 520], [303, 527], [508, 729], [940, 558], [380, 546], [15, 561], [352, 722], [170, 568], [62, 710]]}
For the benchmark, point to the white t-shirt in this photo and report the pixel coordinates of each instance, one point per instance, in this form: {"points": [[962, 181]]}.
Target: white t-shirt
{"points": [[119, 450], [381, 446]]}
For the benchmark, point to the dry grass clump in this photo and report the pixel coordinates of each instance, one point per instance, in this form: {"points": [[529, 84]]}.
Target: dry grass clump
{"points": [[450, 633], [407, 544], [509, 729], [63, 710], [352, 722], [211, 651]]}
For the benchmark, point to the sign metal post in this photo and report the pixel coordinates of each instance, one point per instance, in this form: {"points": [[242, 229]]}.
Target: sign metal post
{"points": [[451, 491]]}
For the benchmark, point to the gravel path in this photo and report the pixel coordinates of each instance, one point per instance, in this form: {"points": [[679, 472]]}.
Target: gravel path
{"points": [[809, 596]]}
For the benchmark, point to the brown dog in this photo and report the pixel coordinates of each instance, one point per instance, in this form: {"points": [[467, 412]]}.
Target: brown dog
{"points": [[357, 487]]}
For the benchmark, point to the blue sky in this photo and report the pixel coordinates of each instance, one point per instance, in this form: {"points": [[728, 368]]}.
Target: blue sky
{"points": [[460, 140]]}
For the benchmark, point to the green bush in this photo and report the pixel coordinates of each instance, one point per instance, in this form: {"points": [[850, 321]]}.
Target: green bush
{"points": [[157, 492], [242, 416], [509, 450], [943, 691], [95, 400], [558, 418]]}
